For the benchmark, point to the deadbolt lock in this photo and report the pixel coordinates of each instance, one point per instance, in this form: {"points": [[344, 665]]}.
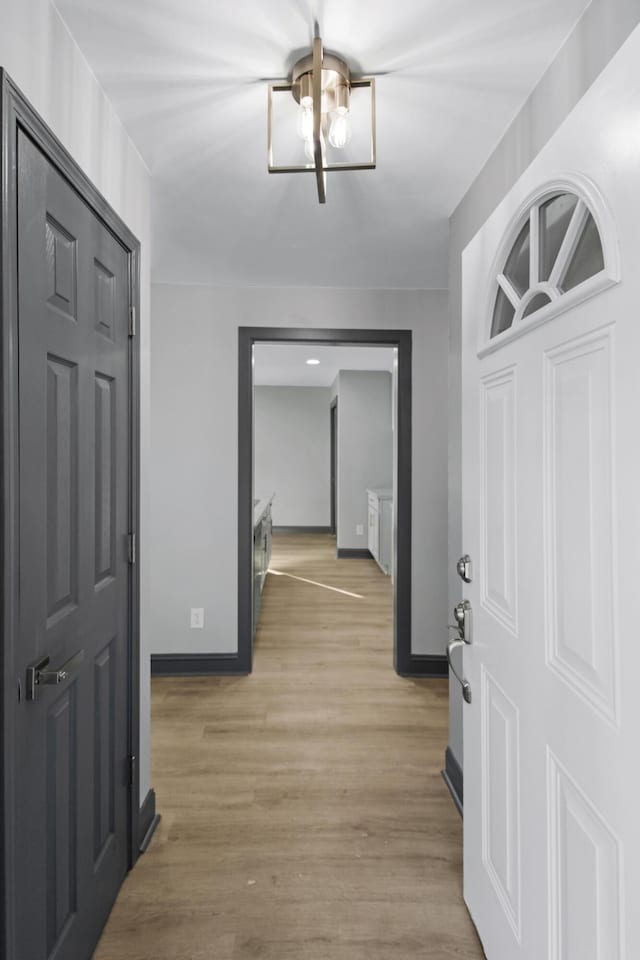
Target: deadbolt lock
{"points": [[463, 568]]}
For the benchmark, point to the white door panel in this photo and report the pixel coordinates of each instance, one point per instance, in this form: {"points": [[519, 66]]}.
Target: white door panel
{"points": [[498, 569], [551, 520], [580, 517], [584, 874]]}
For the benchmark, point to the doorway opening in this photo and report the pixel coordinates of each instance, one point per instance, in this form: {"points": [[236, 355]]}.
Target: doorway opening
{"points": [[405, 662], [323, 486]]}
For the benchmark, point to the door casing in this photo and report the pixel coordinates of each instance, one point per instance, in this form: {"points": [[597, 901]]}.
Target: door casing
{"points": [[405, 662], [17, 114], [333, 453]]}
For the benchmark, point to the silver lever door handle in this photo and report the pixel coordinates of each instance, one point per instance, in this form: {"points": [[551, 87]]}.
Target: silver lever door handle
{"points": [[466, 686], [37, 675]]}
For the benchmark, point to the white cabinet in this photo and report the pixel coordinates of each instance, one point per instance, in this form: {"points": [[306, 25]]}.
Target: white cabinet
{"points": [[374, 527], [380, 527], [261, 551]]}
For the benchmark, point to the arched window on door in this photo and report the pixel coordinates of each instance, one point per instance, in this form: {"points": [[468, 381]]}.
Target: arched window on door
{"points": [[556, 259]]}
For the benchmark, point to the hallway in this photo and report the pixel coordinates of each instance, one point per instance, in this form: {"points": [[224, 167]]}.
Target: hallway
{"points": [[303, 812]]}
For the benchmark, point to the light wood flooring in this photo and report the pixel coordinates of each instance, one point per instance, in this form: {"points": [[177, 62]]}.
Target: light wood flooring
{"points": [[303, 812]]}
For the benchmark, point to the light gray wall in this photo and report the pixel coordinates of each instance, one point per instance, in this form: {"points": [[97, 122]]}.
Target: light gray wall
{"points": [[291, 453], [194, 446], [596, 38], [365, 448], [44, 61]]}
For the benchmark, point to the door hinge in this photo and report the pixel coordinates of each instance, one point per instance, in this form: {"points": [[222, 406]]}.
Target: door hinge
{"points": [[132, 770], [131, 547], [132, 321]]}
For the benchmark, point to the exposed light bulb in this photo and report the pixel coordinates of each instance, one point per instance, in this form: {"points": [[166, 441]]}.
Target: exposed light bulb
{"points": [[308, 150], [305, 118], [340, 129]]}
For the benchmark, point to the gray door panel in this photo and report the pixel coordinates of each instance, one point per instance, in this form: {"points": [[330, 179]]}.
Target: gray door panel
{"points": [[71, 783]]}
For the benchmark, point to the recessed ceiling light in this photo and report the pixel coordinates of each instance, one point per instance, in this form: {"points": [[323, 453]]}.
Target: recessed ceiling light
{"points": [[313, 362]]}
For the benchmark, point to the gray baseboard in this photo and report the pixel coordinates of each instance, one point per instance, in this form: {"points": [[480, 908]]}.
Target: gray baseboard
{"points": [[197, 664], [349, 553], [148, 821], [454, 779], [302, 529], [424, 665]]}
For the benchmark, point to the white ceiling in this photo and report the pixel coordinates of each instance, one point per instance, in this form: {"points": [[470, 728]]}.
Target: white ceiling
{"points": [[282, 365], [188, 79]]}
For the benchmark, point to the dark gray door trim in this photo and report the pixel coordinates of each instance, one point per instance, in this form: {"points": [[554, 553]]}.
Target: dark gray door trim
{"points": [[333, 469], [17, 114], [406, 664]]}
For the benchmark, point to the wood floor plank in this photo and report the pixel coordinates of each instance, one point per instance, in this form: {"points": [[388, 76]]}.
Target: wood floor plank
{"points": [[304, 815]]}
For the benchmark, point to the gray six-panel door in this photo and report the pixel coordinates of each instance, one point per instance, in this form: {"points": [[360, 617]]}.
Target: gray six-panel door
{"points": [[71, 780]]}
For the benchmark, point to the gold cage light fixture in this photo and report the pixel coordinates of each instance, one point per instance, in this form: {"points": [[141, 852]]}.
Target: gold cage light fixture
{"points": [[325, 135]]}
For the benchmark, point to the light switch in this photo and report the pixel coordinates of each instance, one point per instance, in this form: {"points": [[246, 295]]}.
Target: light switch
{"points": [[197, 618], [359, 530]]}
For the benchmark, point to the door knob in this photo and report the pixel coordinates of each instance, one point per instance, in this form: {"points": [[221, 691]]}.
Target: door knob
{"points": [[37, 675]]}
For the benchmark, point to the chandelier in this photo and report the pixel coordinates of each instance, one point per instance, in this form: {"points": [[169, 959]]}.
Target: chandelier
{"points": [[325, 121]]}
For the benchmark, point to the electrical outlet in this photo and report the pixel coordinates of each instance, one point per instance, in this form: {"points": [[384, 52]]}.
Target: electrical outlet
{"points": [[359, 530], [197, 618]]}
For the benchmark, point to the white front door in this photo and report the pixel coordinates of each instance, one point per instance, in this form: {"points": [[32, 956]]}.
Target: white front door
{"points": [[551, 493]]}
